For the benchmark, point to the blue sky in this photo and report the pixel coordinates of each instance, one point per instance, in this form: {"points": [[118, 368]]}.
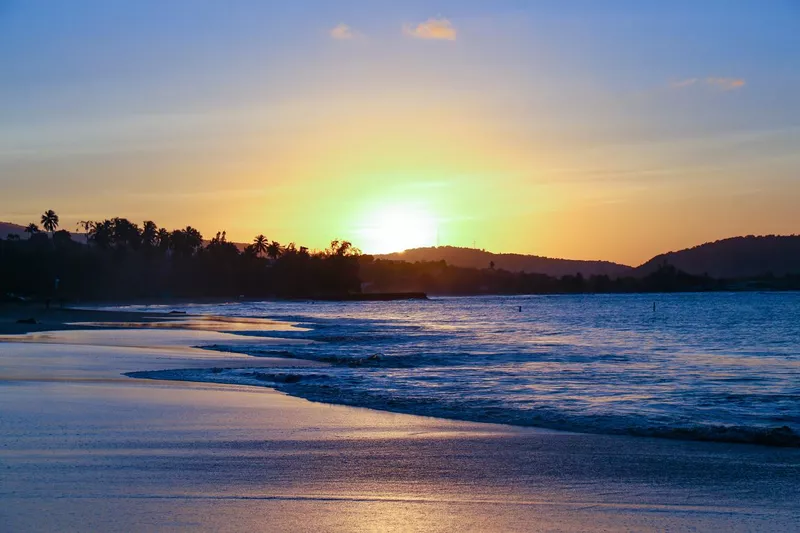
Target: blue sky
{"points": [[590, 113]]}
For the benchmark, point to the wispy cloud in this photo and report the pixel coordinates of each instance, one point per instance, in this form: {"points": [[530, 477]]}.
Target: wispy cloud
{"points": [[342, 32], [433, 28], [688, 82], [725, 84]]}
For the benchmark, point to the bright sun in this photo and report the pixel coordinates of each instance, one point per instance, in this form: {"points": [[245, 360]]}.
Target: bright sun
{"points": [[397, 228]]}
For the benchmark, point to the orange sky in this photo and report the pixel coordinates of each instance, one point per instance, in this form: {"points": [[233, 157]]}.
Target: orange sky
{"points": [[523, 129]]}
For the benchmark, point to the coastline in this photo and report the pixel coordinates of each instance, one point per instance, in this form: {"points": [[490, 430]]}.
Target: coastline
{"points": [[97, 450]]}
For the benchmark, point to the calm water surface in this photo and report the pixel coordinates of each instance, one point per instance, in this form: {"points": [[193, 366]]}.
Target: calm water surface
{"points": [[723, 366]]}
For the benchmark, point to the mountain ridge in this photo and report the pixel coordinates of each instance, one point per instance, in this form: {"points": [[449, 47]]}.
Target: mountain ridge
{"points": [[733, 257], [474, 258]]}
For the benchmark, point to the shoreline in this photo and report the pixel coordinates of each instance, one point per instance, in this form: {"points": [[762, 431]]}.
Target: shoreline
{"points": [[97, 450], [69, 319]]}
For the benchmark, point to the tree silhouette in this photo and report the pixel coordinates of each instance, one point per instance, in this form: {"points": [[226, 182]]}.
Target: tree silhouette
{"points": [[186, 242], [250, 251], [126, 233], [260, 245], [194, 238], [163, 238], [101, 233], [50, 220], [342, 248], [86, 226], [149, 234], [32, 228], [274, 250], [62, 238]]}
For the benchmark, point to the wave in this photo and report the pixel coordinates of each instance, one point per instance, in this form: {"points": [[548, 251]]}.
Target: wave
{"points": [[707, 367], [327, 388]]}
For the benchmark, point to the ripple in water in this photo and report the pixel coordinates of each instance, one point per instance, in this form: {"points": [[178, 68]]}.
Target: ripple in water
{"points": [[722, 366]]}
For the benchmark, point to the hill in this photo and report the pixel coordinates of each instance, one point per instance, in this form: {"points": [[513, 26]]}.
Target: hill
{"points": [[472, 258], [7, 228], [737, 257]]}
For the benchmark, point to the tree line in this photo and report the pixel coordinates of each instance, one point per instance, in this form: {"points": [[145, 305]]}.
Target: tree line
{"points": [[122, 260], [439, 277]]}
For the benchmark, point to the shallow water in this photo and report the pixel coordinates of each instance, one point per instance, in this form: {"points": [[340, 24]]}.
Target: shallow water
{"points": [[722, 366]]}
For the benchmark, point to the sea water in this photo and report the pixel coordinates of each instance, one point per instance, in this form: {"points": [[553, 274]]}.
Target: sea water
{"points": [[712, 366]]}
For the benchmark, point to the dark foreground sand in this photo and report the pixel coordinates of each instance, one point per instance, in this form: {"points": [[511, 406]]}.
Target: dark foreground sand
{"points": [[83, 448]]}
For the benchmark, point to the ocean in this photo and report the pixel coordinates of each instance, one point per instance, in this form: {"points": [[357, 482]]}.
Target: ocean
{"points": [[710, 366]]}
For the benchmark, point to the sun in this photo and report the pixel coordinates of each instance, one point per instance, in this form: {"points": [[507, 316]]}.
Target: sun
{"points": [[396, 228]]}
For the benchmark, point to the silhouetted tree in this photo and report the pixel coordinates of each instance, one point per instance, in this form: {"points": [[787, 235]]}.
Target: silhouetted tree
{"points": [[101, 233], [251, 251], [149, 234], [164, 238], [273, 250], [31, 228], [50, 220], [342, 248], [186, 242], [126, 234], [220, 246], [260, 244], [86, 226], [62, 238]]}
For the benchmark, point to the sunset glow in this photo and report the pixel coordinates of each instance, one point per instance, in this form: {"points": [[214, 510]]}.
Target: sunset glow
{"points": [[400, 265], [397, 228], [521, 128]]}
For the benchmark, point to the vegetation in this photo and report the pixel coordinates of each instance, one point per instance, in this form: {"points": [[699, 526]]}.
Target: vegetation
{"points": [[49, 221], [438, 277], [122, 260]]}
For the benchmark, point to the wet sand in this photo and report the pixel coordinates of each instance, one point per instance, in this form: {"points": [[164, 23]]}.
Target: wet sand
{"points": [[84, 448]]}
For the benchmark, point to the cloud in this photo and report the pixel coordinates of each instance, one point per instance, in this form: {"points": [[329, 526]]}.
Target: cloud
{"points": [[724, 84], [342, 32], [684, 83], [433, 28]]}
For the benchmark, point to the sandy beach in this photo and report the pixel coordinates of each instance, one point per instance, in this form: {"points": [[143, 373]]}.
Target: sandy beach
{"points": [[85, 448]]}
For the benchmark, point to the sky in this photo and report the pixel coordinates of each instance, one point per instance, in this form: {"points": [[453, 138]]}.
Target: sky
{"points": [[580, 129]]}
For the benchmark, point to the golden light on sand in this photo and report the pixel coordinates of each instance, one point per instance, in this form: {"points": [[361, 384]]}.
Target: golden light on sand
{"points": [[395, 228]]}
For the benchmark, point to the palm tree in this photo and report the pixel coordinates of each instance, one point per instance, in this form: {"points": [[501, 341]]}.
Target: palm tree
{"points": [[274, 250], [163, 238], [260, 244], [101, 233], [250, 251], [32, 228], [50, 220], [194, 239], [186, 242], [149, 233]]}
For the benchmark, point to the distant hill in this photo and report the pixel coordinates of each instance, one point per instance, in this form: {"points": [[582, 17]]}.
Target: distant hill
{"points": [[737, 257], [7, 228], [472, 258]]}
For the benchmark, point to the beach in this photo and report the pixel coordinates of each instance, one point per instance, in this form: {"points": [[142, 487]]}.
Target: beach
{"points": [[84, 447]]}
